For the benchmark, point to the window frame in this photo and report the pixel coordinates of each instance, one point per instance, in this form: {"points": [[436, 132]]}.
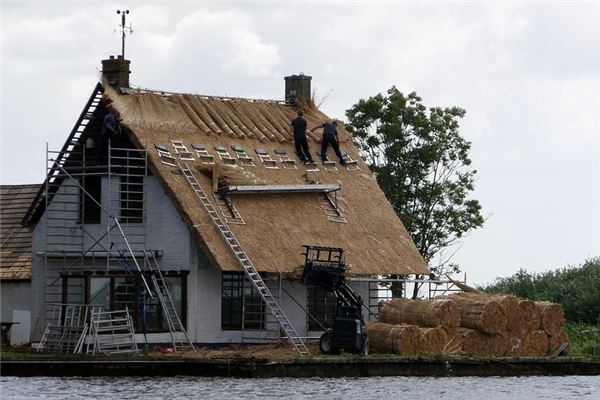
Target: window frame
{"points": [[162, 325], [232, 317]]}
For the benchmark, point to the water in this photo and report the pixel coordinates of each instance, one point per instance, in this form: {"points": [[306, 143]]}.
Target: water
{"points": [[396, 388]]}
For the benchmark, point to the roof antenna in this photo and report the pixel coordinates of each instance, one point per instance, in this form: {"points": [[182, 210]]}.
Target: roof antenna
{"points": [[124, 29]]}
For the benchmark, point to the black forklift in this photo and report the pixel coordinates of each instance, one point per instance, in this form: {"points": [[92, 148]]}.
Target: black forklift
{"points": [[325, 267]]}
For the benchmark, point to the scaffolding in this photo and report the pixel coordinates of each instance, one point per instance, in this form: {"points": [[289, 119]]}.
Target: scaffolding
{"points": [[95, 218]]}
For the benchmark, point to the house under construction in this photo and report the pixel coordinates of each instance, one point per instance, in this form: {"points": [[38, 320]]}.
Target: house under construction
{"points": [[194, 217]]}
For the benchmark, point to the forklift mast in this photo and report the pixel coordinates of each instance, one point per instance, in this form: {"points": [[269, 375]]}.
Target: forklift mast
{"points": [[325, 267]]}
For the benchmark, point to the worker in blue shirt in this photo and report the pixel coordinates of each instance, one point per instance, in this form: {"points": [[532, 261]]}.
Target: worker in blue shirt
{"points": [[330, 137], [110, 129]]}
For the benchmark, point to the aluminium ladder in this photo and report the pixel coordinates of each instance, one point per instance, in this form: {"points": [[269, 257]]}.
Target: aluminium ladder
{"points": [[249, 269], [166, 301]]}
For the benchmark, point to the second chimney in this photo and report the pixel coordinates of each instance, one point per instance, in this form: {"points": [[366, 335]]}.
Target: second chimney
{"points": [[297, 88], [116, 71]]}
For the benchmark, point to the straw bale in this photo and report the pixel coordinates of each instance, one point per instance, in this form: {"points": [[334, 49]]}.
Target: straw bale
{"points": [[555, 343], [436, 338], [477, 342], [552, 317], [481, 313], [535, 344], [425, 313], [529, 315], [400, 339]]}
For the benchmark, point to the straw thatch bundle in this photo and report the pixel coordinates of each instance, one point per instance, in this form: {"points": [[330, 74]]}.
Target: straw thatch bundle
{"points": [[559, 342], [477, 342], [401, 339], [535, 344], [528, 315], [425, 313], [223, 175], [552, 317], [481, 313], [510, 304], [436, 338]]}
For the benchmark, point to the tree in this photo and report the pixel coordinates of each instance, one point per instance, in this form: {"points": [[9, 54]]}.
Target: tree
{"points": [[422, 164]]}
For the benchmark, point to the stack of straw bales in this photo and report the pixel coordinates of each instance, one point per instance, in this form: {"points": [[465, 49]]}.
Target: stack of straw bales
{"points": [[478, 323]]}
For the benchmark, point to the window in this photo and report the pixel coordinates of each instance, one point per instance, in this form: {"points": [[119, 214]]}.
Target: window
{"points": [[89, 204], [132, 199], [117, 292], [240, 297], [321, 305]]}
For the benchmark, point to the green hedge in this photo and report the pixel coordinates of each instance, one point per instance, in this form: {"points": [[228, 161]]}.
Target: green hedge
{"points": [[577, 289]]}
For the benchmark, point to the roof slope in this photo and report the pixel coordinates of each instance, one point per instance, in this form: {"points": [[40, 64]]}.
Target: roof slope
{"points": [[15, 240], [277, 225]]}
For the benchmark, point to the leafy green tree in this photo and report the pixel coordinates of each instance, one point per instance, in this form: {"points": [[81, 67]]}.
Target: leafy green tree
{"points": [[422, 164]]}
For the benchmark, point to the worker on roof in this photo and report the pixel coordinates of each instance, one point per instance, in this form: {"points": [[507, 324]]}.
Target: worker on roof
{"points": [[298, 129], [330, 137], [110, 129]]}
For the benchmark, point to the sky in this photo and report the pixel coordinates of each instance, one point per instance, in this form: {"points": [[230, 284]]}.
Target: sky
{"points": [[527, 73]]}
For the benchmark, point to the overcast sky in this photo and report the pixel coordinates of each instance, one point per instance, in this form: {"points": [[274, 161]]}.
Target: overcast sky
{"points": [[528, 75]]}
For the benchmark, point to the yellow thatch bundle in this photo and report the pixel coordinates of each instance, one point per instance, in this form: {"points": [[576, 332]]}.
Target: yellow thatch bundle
{"points": [[436, 338], [532, 344], [425, 313], [481, 313], [528, 316], [552, 317], [508, 301], [400, 339], [559, 342], [223, 175], [473, 341]]}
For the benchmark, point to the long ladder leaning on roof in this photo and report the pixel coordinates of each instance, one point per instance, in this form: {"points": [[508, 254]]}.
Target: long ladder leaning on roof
{"points": [[251, 272], [179, 336]]}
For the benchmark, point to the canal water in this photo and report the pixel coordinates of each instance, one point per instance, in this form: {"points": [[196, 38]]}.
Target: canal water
{"points": [[396, 388]]}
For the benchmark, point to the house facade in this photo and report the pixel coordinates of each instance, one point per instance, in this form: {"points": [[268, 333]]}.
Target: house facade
{"points": [[202, 191]]}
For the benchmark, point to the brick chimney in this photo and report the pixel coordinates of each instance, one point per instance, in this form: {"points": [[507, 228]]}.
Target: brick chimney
{"points": [[297, 88], [116, 71]]}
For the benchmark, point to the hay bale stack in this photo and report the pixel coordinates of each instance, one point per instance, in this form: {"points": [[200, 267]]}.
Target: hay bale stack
{"points": [[551, 316], [424, 313], [401, 339], [481, 313], [478, 342], [436, 338]]}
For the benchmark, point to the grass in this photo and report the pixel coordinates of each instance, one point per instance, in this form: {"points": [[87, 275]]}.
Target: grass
{"points": [[585, 339]]}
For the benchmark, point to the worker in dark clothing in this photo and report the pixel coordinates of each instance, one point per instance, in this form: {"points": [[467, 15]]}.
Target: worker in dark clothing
{"points": [[330, 137], [110, 129], [298, 129]]}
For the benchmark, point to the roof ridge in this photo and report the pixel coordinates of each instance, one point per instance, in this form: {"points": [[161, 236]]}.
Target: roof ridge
{"points": [[168, 93]]}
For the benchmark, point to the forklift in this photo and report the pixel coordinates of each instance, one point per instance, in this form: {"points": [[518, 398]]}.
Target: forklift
{"points": [[325, 267]]}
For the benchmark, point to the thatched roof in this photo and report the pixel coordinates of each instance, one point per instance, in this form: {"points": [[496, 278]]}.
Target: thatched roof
{"points": [[276, 225], [15, 240]]}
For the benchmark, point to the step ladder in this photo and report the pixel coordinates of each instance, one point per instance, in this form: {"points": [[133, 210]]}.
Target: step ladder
{"points": [[179, 336], [67, 329], [249, 269]]}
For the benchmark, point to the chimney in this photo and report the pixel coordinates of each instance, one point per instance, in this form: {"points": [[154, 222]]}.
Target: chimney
{"points": [[297, 88], [116, 71]]}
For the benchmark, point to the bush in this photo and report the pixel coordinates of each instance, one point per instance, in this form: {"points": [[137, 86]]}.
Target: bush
{"points": [[585, 339], [576, 289]]}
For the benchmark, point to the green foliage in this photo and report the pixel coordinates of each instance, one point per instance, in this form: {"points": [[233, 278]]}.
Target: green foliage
{"points": [[577, 289], [422, 164], [585, 339]]}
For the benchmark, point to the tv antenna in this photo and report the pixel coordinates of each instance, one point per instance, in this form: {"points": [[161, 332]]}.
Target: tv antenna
{"points": [[124, 29]]}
